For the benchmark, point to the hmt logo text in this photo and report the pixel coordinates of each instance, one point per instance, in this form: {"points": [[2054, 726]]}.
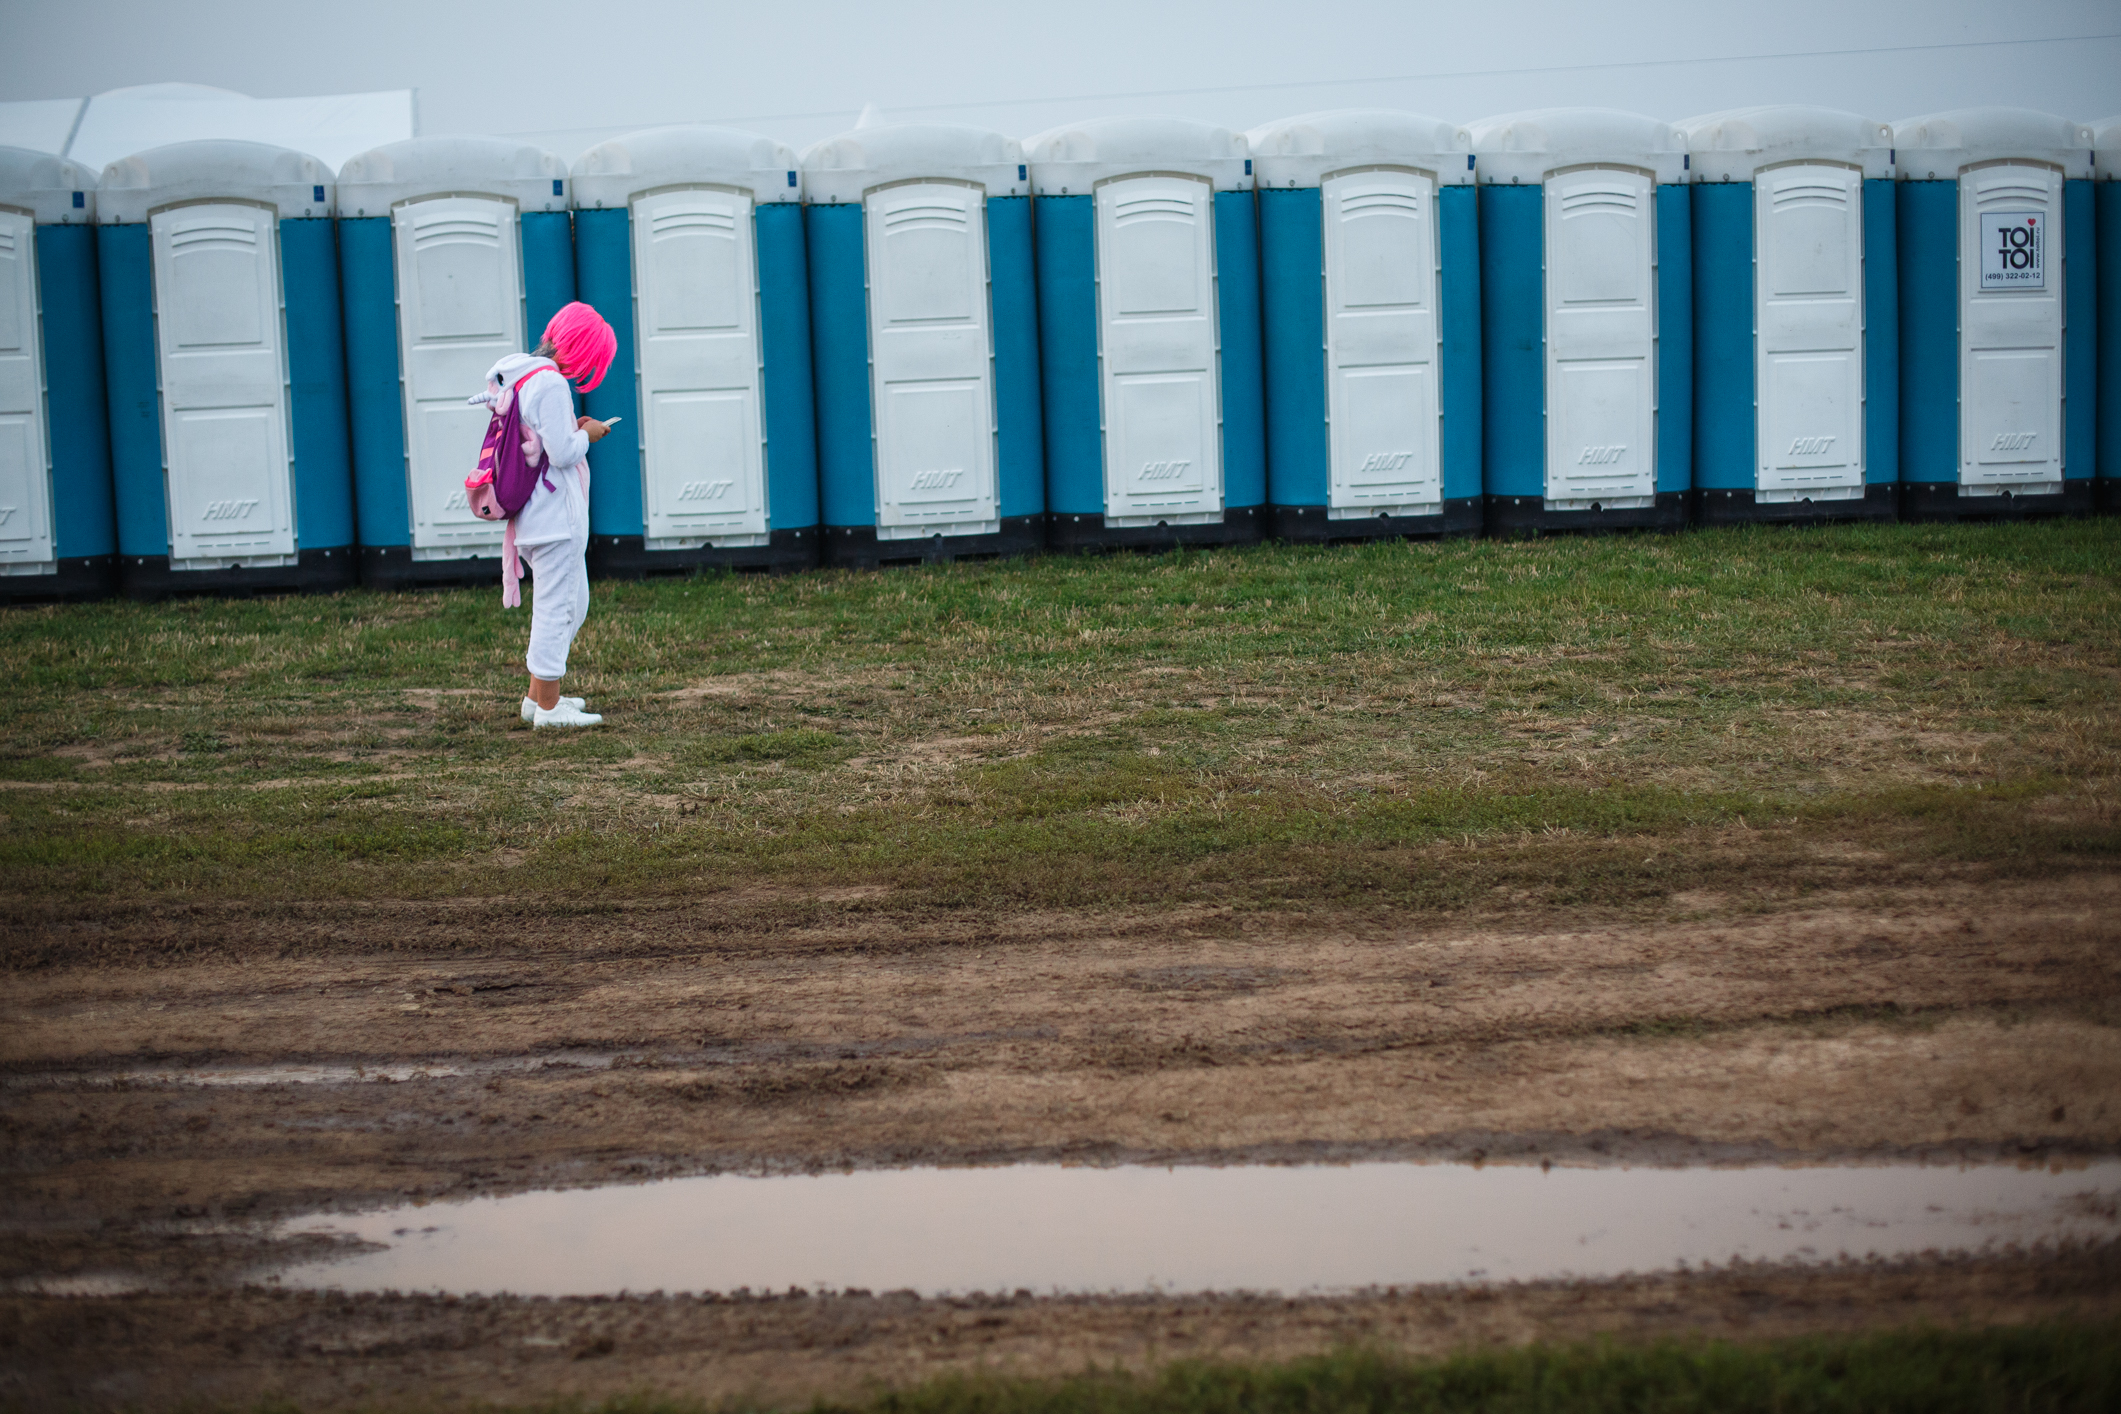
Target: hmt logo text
{"points": [[7, 513], [704, 490], [1164, 471], [459, 500], [1811, 446], [2013, 441], [1600, 456], [228, 510], [1386, 461], [936, 480]]}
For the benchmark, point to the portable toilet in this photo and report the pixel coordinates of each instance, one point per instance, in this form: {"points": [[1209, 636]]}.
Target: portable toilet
{"points": [[1998, 288], [689, 240], [924, 342], [1148, 295], [1369, 255], [2106, 138], [1586, 286], [225, 371], [1796, 317], [57, 536], [454, 251]]}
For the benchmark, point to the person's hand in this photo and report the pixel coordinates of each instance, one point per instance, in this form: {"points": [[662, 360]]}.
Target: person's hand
{"points": [[594, 428]]}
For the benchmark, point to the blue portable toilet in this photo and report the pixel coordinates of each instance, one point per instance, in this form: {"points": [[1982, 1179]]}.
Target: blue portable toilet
{"points": [[225, 370], [454, 251], [1148, 294], [1586, 288], [2106, 139], [1796, 317], [1998, 330], [1369, 255], [924, 343], [690, 241], [58, 539]]}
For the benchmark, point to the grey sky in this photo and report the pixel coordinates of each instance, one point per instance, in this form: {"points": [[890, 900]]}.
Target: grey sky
{"points": [[567, 75]]}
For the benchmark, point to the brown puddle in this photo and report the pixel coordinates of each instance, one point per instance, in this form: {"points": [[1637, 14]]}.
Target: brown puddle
{"points": [[1294, 1229], [214, 1076]]}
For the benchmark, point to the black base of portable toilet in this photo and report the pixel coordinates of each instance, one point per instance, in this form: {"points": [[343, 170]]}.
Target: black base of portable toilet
{"points": [[1714, 506], [1312, 525], [70, 582], [1938, 501], [855, 547], [389, 567], [149, 577], [627, 556], [1082, 534], [1509, 516], [2106, 499]]}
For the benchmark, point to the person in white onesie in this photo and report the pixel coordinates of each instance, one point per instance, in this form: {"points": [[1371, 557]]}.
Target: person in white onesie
{"points": [[552, 528]]}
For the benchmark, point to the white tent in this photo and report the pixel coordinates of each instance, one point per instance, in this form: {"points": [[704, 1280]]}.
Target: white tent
{"points": [[98, 131], [41, 125]]}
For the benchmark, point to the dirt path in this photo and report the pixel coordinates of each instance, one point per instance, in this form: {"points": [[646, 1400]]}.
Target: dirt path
{"points": [[1975, 1025], [328, 1352], [1967, 1024]]}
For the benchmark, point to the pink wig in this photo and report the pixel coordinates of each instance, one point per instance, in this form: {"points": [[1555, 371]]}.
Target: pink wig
{"points": [[582, 344]]}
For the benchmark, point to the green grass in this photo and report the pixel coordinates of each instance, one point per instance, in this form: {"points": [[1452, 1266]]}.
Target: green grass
{"points": [[2057, 1368], [1609, 722], [2043, 1368]]}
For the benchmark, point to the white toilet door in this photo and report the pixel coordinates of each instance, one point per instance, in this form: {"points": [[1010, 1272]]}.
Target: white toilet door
{"points": [[1381, 293], [1808, 318], [1601, 338], [460, 307], [25, 465], [696, 318], [931, 356], [1157, 350], [2010, 327], [220, 339]]}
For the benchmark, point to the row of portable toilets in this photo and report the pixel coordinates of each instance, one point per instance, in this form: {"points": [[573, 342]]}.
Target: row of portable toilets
{"points": [[223, 366]]}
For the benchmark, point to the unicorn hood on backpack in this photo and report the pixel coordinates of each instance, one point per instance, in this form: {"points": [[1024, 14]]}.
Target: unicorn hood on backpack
{"points": [[547, 403]]}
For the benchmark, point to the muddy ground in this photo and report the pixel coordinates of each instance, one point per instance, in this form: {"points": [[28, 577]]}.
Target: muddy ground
{"points": [[1958, 1022], [380, 1351]]}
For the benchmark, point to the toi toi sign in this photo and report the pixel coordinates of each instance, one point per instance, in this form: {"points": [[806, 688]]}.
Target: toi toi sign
{"points": [[2013, 250]]}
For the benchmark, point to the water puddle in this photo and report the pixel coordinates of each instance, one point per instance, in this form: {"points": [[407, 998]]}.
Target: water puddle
{"points": [[1306, 1228], [88, 1284], [300, 1073]]}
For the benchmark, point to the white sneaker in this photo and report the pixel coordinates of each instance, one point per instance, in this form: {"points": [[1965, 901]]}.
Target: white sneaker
{"points": [[567, 714], [530, 708]]}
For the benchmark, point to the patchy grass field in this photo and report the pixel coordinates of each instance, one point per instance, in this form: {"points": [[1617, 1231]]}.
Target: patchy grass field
{"points": [[2047, 1368], [1559, 723], [1733, 847]]}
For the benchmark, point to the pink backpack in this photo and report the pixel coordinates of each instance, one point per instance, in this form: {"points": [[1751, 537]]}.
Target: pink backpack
{"points": [[511, 463]]}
